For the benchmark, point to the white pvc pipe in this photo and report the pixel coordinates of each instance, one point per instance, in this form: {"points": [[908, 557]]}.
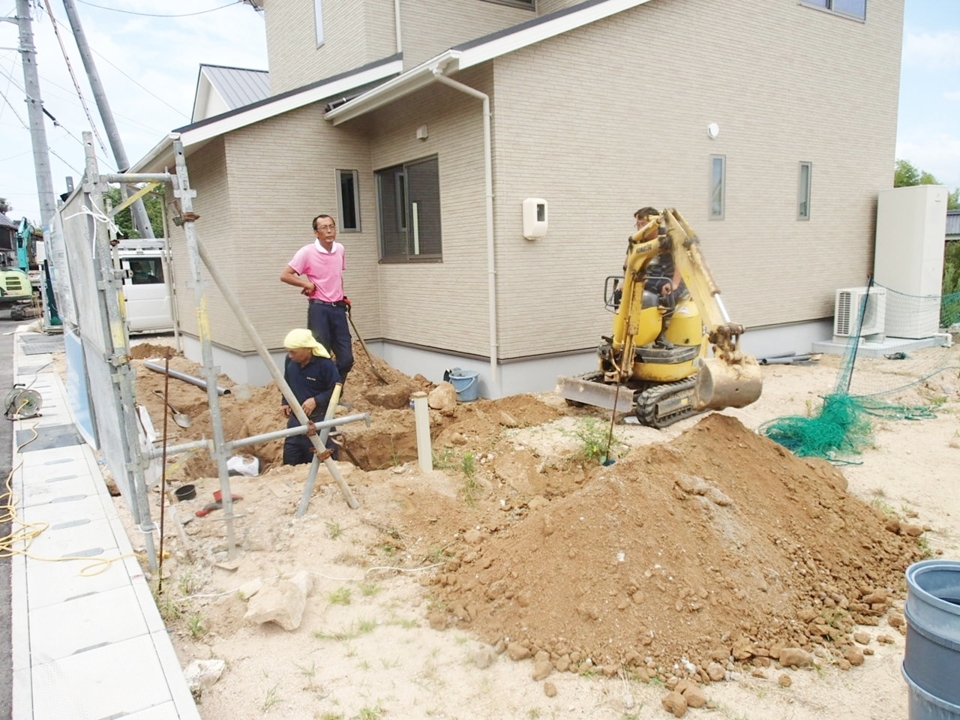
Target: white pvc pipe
{"points": [[488, 183], [422, 418]]}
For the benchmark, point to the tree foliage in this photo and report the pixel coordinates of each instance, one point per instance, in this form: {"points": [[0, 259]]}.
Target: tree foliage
{"points": [[906, 174], [154, 203], [5, 207]]}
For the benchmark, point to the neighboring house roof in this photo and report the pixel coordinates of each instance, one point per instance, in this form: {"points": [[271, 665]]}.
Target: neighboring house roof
{"points": [[953, 224], [199, 133], [228, 88], [481, 50], [7, 222]]}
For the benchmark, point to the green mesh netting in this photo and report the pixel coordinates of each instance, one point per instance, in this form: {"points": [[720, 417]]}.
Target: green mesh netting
{"points": [[901, 385]]}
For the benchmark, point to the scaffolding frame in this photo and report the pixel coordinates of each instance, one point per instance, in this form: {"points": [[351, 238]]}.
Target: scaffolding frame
{"points": [[121, 407]]}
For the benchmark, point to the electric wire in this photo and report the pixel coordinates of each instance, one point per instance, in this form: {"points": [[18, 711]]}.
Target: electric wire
{"points": [[155, 15], [76, 85]]}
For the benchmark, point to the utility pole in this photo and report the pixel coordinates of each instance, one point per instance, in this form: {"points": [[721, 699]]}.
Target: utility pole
{"points": [[38, 132], [137, 210]]}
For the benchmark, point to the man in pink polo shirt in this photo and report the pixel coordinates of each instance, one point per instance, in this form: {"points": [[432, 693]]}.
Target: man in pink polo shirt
{"points": [[317, 269]]}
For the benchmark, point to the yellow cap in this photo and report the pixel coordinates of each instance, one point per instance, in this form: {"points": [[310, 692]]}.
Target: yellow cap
{"points": [[301, 338]]}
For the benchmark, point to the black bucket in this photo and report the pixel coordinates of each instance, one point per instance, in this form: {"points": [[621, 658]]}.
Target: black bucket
{"points": [[931, 663]]}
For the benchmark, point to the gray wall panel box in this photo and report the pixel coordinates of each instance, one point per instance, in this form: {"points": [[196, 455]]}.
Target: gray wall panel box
{"points": [[535, 218]]}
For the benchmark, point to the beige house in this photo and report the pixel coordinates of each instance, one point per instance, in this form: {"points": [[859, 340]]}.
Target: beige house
{"points": [[769, 123]]}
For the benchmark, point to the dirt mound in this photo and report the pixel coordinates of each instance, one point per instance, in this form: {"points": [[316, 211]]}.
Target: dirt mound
{"points": [[718, 545], [146, 351]]}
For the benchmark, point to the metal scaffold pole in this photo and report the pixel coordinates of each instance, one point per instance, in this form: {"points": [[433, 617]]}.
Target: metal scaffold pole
{"points": [[116, 345], [183, 193]]}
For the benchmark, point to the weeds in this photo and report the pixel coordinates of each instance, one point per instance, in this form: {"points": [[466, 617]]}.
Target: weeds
{"points": [[369, 589], [443, 459], [468, 465], [188, 583], [272, 698], [333, 529], [371, 713], [596, 441], [340, 596], [196, 627]]}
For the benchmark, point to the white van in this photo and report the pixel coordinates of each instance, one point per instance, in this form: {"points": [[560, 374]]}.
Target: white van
{"points": [[147, 287]]}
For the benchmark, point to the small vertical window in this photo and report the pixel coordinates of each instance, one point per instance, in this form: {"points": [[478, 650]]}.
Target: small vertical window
{"points": [[803, 191], [348, 200], [718, 182], [318, 16]]}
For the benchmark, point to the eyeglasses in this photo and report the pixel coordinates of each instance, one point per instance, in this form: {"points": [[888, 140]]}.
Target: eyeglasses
{"points": [[323, 228]]}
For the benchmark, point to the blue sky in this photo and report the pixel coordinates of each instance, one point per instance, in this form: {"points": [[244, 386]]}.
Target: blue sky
{"points": [[149, 67]]}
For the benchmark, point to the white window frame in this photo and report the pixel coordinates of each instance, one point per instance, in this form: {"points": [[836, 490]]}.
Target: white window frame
{"points": [[354, 175], [804, 187], [318, 19], [715, 162]]}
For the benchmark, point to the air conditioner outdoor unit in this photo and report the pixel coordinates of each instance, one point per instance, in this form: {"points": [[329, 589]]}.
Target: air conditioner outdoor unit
{"points": [[849, 302]]}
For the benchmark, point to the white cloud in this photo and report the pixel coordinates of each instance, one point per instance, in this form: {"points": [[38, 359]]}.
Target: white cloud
{"points": [[937, 154], [951, 95], [934, 51]]}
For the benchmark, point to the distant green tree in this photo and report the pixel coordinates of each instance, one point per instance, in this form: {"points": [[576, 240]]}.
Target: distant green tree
{"points": [[905, 174], [154, 203], [5, 207]]}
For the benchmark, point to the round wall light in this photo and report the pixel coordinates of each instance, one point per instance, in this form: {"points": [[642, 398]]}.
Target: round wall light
{"points": [[713, 130]]}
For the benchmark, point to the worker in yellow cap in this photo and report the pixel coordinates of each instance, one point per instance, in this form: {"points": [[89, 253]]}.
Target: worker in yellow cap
{"points": [[311, 375]]}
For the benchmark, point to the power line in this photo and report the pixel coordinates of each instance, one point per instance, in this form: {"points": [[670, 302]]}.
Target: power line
{"points": [[14, 111], [76, 85], [134, 81], [131, 12]]}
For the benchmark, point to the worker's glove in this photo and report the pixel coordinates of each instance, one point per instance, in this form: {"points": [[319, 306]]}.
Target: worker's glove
{"points": [[346, 302]]}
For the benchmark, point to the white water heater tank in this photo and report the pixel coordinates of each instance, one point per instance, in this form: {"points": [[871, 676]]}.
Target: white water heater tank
{"points": [[911, 230]]}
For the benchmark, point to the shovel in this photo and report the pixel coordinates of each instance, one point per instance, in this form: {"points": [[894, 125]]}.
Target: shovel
{"points": [[373, 365], [178, 417]]}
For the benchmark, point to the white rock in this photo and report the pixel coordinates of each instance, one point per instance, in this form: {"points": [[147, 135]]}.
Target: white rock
{"points": [[249, 589], [202, 674], [282, 603]]}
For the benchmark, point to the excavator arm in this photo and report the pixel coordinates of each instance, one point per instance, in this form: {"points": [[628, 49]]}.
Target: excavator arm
{"points": [[731, 378]]}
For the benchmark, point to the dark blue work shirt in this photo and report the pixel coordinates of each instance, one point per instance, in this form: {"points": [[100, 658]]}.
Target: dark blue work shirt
{"points": [[316, 379]]}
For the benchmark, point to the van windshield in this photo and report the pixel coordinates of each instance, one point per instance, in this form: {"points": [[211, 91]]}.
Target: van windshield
{"points": [[146, 271]]}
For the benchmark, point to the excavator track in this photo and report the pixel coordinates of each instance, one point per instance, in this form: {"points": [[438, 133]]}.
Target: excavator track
{"points": [[662, 405]]}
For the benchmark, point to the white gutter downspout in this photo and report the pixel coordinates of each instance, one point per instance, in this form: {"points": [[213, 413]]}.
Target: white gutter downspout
{"points": [[488, 181], [396, 17]]}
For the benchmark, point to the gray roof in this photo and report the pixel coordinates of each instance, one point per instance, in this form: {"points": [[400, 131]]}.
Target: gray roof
{"points": [[953, 222], [7, 222], [238, 87]]}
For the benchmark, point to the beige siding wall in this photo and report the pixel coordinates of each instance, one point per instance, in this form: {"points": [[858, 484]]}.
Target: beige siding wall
{"points": [[281, 174], [441, 305], [545, 7], [207, 171], [598, 133], [431, 26], [356, 32]]}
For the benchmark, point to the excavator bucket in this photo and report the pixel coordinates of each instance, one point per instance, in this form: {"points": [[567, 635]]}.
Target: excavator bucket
{"points": [[598, 394], [722, 384]]}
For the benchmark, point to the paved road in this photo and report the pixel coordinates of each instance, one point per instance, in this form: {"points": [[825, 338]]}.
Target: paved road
{"points": [[6, 459]]}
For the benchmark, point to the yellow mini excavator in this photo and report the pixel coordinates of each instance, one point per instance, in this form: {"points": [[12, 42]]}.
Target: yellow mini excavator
{"points": [[665, 374]]}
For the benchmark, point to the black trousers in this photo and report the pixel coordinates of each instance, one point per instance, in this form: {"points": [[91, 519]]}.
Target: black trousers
{"points": [[330, 327], [298, 450]]}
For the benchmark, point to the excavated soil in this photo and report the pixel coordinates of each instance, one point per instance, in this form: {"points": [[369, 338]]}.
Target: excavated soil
{"points": [[711, 552]]}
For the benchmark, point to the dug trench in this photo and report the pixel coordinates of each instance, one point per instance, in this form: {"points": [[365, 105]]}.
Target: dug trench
{"points": [[716, 552]]}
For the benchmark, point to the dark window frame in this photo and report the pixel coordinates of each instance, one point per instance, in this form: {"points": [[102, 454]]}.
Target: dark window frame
{"points": [[804, 190], [524, 4], [396, 199], [831, 6], [345, 224], [722, 200]]}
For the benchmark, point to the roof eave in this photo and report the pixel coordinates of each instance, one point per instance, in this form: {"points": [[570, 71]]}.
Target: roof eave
{"points": [[393, 90]]}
